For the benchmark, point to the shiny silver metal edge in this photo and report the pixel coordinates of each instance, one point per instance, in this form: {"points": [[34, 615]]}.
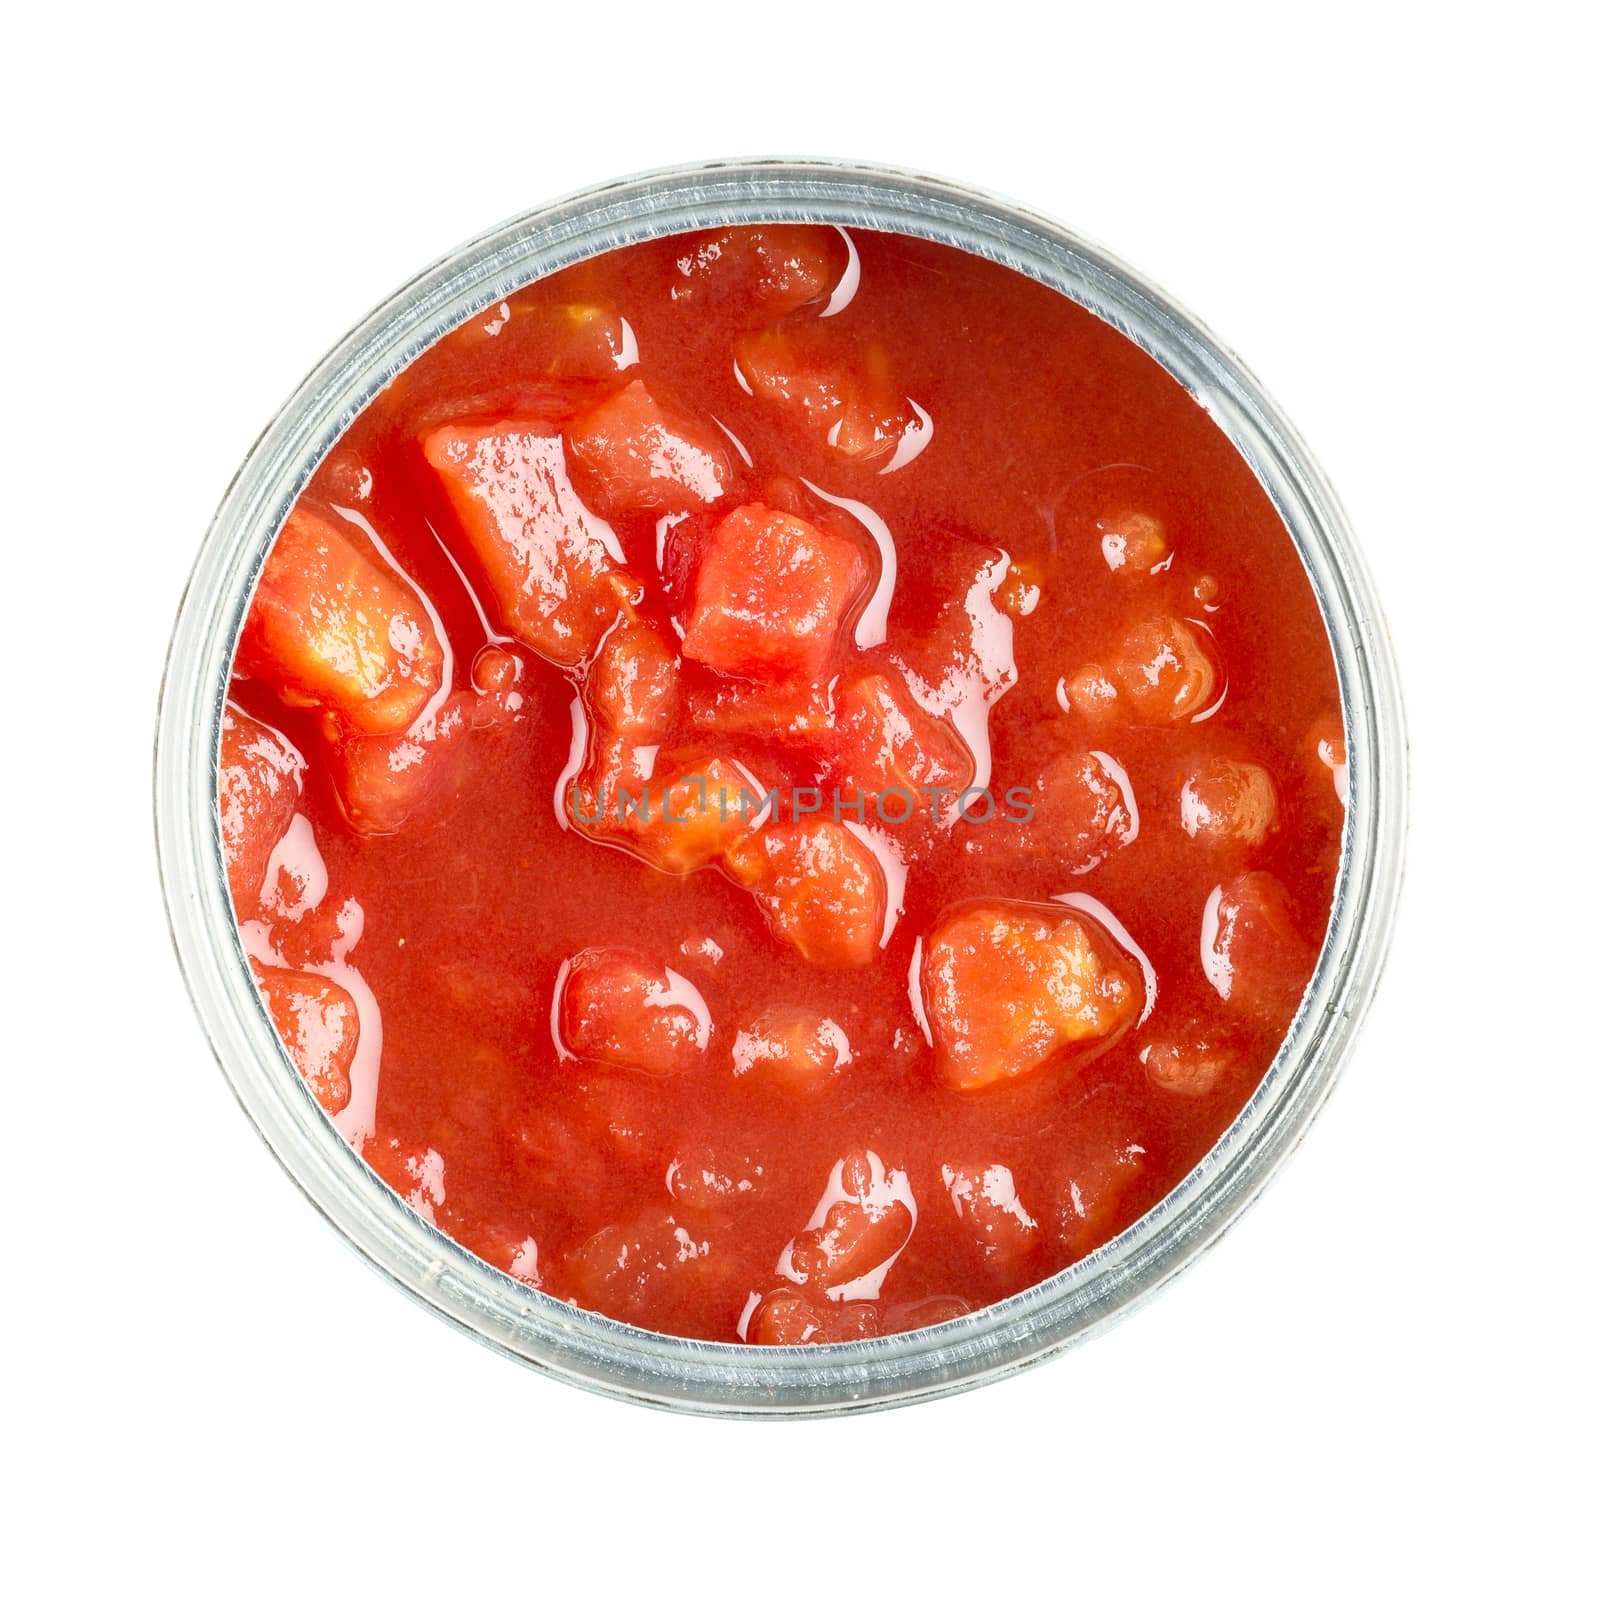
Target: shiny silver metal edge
{"points": [[581, 1347]]}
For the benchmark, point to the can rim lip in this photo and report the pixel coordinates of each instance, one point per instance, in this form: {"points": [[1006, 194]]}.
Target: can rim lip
{"points": [[583, 1347]]}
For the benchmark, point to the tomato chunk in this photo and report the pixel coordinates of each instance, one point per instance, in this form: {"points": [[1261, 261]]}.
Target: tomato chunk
{"points": [[1132, 542], [865, 1218], [570, 340], [704, 1179], [623, 1009], [792, 1046], [631, 453], [785, 1316], [771, 595], [632, 687], [1251, 951], [776, 713], [384, 781], [1094, 1194], [847, 399], [682, 817], [1228, 802], [1163, 671], [554, 569], [332, 626], [820, 887], [258, 787], [910, 1315], [1083, 812], [1008, 986], [1186, 1062], [657, 1269], [885, 741], [778, 267], [319, 1026], [985, 1200]]}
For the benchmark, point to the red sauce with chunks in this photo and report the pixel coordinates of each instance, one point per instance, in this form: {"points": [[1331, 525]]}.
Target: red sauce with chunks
{"points": [[783, 786]]}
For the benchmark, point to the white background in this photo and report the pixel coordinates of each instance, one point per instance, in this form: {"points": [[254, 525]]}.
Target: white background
{"points": [[1382, 1381]]}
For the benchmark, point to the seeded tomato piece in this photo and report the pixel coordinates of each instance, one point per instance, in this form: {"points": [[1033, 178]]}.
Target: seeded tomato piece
{"points": [[771, 595], [779, 267], [1251, 951], [786, 1316], [259, 779], [819, 886], [332, 626], [623, 1009], [554, 568], [1008, 986], [319, 1026], [631, 453]]}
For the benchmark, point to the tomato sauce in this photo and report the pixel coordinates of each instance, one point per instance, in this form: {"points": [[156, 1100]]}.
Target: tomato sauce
{"points": [[783, 785]]}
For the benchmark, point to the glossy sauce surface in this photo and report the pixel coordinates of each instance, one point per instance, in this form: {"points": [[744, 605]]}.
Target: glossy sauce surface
{"points": [[802, 513]]}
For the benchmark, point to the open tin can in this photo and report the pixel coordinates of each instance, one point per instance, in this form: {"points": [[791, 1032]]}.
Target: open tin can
{"points": [[580, 1346]]}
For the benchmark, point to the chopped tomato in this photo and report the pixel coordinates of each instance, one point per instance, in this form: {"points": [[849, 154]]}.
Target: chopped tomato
{"points": [[820, 887], [680, 818], [258, 787], [777, 713], [792, 1046], [1009, 986], [1186, 1062], [632, 687], [884, 740], [384, 781], [1083, 812], [778, 266], [865, 1219], [1163, 671], [703, 1179], [771, 595], [631, 453], [910, 1315], [655, 1269], [985, 1200], [1251, 951], [570, 340], [785, 1316], [319, 1026], [555, 570], [846, 398], [1228, 802], [1329, 759], [1093, 1194], [1132, 542], [332, 626], [622, 1009]]}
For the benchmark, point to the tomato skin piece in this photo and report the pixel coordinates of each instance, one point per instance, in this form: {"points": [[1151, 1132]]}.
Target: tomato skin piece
{"points": [[632, 454], [318, 1023], [331, 626], [553, 568], [786, 1316], [820, 888], [259, 780], [623, 1009], [771, 595], [1009, 986]]}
